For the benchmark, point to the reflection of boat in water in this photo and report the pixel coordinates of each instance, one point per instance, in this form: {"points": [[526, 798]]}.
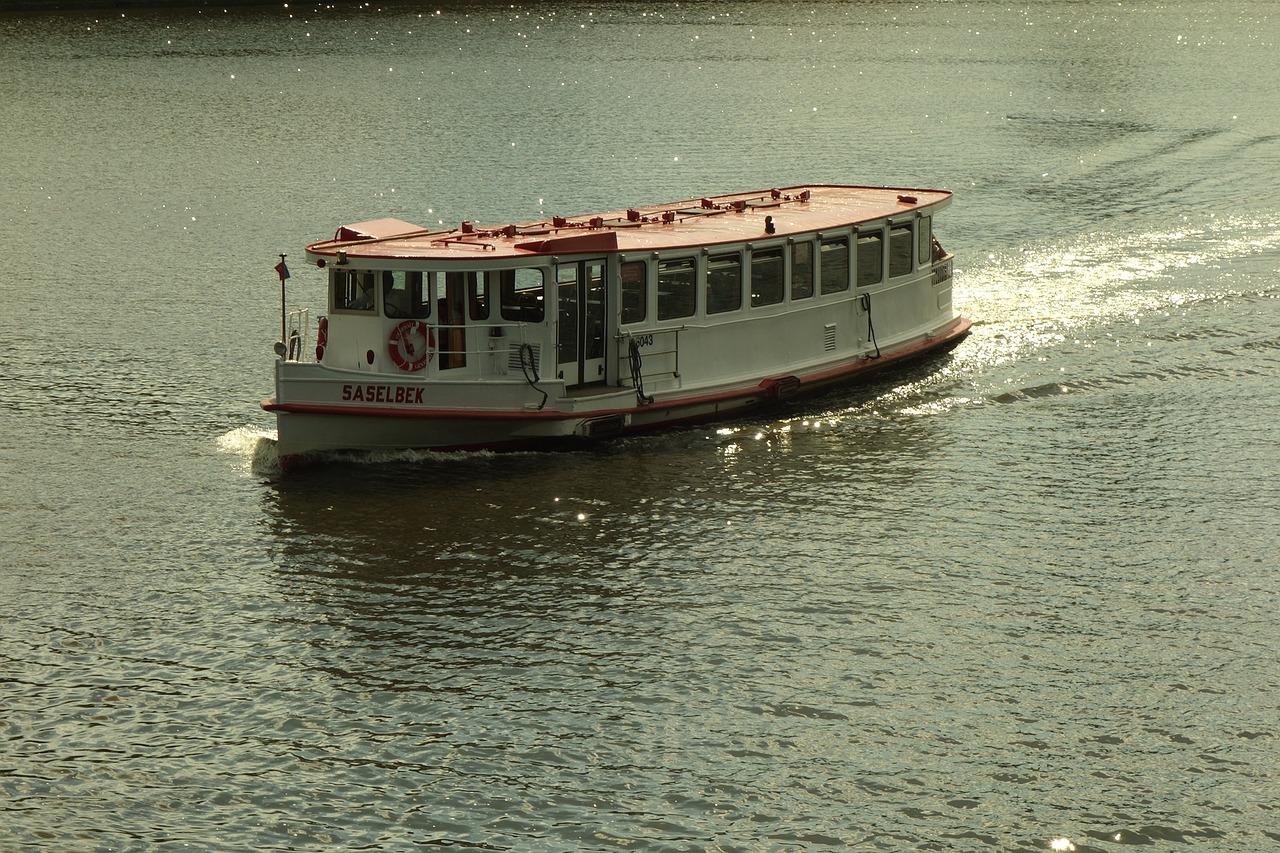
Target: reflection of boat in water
{"points": [[612, 323]]}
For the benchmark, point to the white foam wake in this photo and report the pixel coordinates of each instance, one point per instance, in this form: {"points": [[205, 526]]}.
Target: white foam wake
{"points": [[255, 446]]}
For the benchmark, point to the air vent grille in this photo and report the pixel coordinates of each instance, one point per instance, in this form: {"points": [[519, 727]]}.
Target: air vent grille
{"points": [[532, 358]]}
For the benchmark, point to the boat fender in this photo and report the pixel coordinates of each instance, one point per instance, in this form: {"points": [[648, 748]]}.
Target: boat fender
{"points": [[322, 338], [780, 388], [401, 348]]}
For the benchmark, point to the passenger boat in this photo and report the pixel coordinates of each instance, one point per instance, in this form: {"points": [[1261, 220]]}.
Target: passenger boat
{"points": [[588, 327]]}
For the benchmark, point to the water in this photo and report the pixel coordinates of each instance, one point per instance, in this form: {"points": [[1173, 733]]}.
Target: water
{"points": [[1020, 598]]}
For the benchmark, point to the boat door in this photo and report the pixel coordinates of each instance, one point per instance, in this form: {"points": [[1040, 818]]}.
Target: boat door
{"points": [[452, 319], [580, 295]]}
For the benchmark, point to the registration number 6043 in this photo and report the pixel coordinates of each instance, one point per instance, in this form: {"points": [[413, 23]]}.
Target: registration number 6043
{"points": [[643, 340]]}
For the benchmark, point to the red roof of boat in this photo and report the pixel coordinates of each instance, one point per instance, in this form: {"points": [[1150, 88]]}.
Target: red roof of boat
{"points": [[733, 218]]}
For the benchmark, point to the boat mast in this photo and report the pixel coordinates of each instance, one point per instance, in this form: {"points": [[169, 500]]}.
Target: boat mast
{"points": [[283, 272]]}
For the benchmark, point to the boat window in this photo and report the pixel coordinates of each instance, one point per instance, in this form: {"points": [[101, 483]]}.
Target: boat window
{"points": [[478, 286], [352, 289], [635, 292], [521, 294], [901, 244], [404, 294], [766, 277], [870, 259], [834, 265], [724, 283], [677, 290], [801, 270], [924, 241]]}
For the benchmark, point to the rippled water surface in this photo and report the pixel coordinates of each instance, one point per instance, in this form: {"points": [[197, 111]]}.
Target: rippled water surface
{"points": [[1019, 598]]}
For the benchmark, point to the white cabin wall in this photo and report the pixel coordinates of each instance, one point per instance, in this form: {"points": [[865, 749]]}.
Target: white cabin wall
{"points": [[770, 343], [351, 336], [902, 309]]}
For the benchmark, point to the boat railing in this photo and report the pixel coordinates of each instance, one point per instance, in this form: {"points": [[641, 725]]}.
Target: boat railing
{"points": [[499, 350], [942, 269], [510, 349], [299, 336]]}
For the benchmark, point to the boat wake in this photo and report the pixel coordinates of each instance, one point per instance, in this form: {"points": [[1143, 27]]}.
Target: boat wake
{"points": [[1026, 300], [1104, 310], [406, 457], [254, 446]]}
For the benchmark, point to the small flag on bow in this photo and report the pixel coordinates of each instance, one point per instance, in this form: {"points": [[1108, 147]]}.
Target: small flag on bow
{"points": [[282, 270]]}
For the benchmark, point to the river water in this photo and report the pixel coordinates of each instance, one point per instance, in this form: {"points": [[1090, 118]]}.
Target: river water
{"points": [[1020, 598]]}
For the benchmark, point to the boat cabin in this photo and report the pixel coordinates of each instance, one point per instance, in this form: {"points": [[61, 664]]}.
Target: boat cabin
{"points": [[569, 308]]}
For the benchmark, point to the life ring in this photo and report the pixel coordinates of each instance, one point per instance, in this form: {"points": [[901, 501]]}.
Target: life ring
{"points": [[411, 345], [322, 338]]}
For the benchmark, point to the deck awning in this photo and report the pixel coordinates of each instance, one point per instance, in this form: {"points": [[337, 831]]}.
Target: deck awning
{"points": [[377, 229], [592, 241]]}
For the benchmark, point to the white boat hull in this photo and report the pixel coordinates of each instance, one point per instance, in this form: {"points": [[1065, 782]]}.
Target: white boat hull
{"points": [[399, 415]]}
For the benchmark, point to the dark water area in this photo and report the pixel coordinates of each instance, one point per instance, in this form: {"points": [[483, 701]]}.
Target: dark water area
{"points": [[117, 5], [1021, 597]]}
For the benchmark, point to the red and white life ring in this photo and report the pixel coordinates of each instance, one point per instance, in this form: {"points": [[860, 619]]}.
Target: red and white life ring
{"points": [[322, 338], [411, 345]]}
